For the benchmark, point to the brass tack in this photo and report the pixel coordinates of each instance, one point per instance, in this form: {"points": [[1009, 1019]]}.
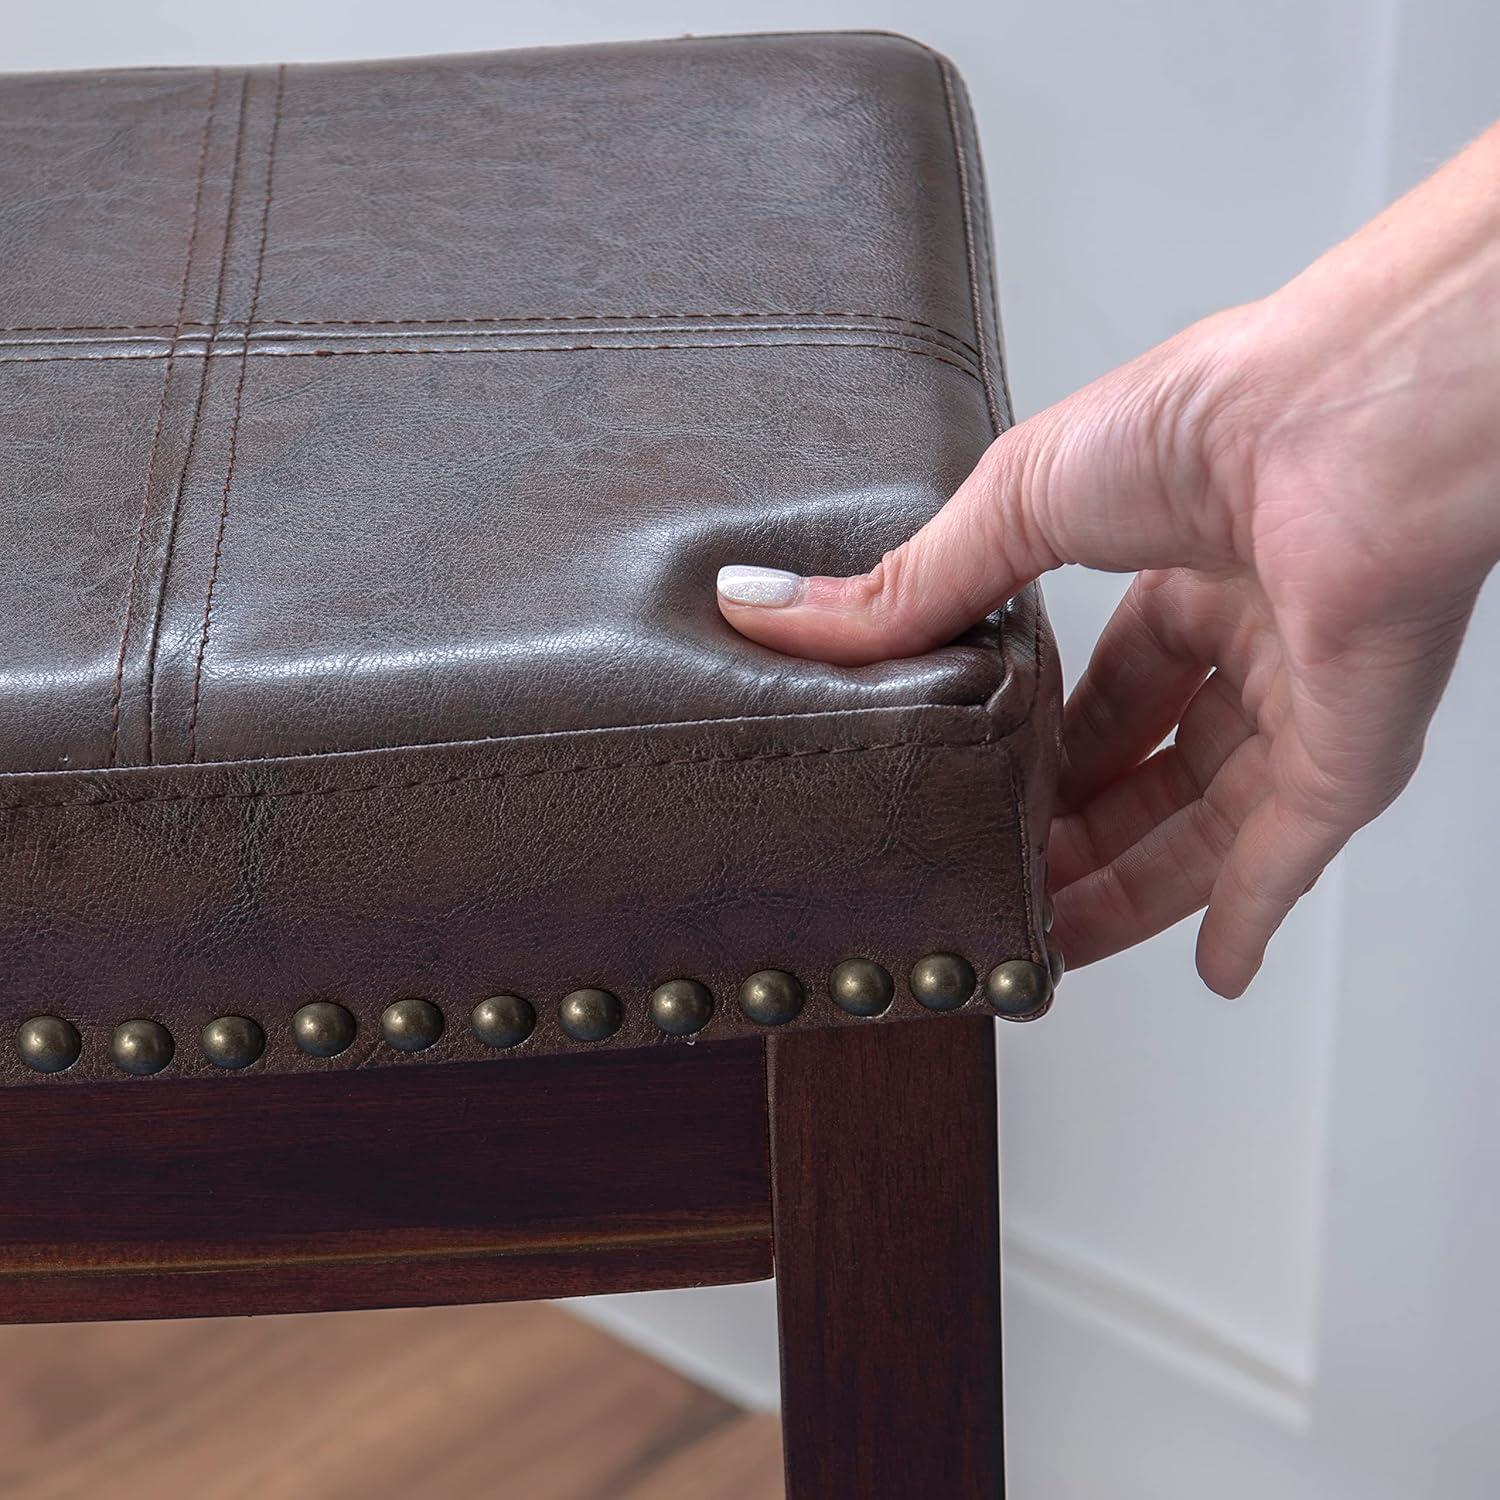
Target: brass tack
{"points": [[233, 1041], [772, 997], [861, 987], [411, 1025], [1056, 966], [48, 1044], [503, 1020], [141, 1047], [1018, 987], [323, 1029], [590, 1015], [681, 1007], [942, 981]]}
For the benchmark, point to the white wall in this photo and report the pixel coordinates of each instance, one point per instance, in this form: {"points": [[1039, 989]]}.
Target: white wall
{"points": [[1250, 1245]]}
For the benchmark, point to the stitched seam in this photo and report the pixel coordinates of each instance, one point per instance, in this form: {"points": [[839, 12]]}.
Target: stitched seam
{"points": [[995, 729], [967, 207], [585, 767], [1038, 644], [1038, 640], [487, 338], [942, 356], [536, 329], [985, 242], [278, 344], [493, 352], [601, 317], [234, 426], [686, 336], [581, 317], [977, 296], [161, 411], [198, 409], [1023, 834], [977, 299]]}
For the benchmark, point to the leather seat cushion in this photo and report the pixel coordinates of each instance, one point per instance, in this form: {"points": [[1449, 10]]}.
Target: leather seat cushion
{"points": [[369, 438]]}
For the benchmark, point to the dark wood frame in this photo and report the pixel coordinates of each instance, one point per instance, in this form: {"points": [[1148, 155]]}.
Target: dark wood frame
{"points": [[865, 1156]]}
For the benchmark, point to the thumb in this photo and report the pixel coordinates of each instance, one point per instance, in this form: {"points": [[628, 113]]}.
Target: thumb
{"points": [[982, 547], [1109, 477]]}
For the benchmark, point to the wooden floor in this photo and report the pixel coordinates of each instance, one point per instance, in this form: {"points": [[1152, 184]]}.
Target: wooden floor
{"points": [[432, 1404]]}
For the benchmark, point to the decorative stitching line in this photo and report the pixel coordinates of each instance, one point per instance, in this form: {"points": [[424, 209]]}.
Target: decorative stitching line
{"points": [[230, 208], [995, 729], [596, 317], [966, 203], [1038, 641], [1038, 607], [266, 334], [977, 300], [247, 352], [496, 329], [985, 241], [361, 788], [586, 317], [1023, 833], [161, 411], [234, 426]]}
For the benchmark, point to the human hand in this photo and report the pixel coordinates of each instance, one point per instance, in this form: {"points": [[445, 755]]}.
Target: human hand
{"points": [[1308, 488]]}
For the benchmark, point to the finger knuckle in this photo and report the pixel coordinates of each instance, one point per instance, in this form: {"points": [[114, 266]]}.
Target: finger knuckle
{"points": [[889, 590]]}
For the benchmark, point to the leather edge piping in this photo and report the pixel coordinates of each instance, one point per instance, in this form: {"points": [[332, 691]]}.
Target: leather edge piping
{"points": [[1002, 418], [262, 793]]}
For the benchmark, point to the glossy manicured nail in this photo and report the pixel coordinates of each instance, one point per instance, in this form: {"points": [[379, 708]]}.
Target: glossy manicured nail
{"points": [[768, 587]]}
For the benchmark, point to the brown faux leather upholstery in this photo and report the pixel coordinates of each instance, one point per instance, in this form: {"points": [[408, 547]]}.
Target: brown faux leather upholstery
{"points": [[369, 438]]}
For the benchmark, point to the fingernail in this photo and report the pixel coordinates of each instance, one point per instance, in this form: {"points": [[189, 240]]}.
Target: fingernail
{"points": [[768, 587]]}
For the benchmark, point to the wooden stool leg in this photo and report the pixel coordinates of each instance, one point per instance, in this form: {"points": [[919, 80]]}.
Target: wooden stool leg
{"points": [[886, 1224]]}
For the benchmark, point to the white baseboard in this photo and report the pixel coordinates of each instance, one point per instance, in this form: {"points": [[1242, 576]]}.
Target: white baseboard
{"points": [[725, 1337], [1193, 1343]]}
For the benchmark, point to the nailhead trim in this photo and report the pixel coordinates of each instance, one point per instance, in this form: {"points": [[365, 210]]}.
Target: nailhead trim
{"points": [[413, 1024], [48, 1044]]}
